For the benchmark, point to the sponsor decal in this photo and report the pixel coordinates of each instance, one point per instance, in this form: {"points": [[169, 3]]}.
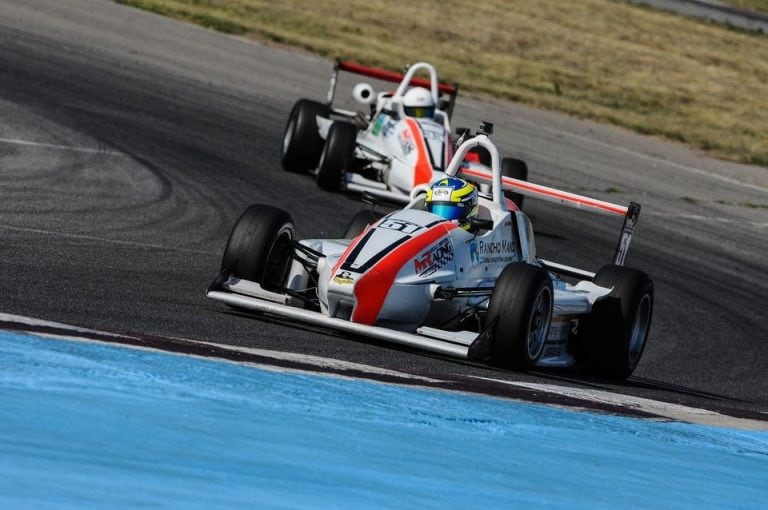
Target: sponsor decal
{"points": [[403, 226], [377, 125], [423, 168], [407, 144], [557, 340], [344, 278], [559, 330], [434, 258], [494, 247], [489, 252], [474, 254], [442, 193], [383, 125]]}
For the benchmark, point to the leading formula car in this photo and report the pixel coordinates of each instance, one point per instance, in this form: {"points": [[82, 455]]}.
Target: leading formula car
{"points": [[402, 142], [476, 291]]}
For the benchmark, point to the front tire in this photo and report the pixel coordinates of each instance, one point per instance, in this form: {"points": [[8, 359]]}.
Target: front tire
{"points": [[302, 143], [521, 304], [611, 339], [336, 156], [517, 169], [259, 246]]}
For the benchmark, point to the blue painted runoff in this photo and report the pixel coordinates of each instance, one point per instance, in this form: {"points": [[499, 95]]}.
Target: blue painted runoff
{"points": [[87, 425]]}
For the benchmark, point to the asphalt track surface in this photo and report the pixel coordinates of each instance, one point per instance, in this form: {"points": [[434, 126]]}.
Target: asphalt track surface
{"points": [[714, 11], [130, 143]]}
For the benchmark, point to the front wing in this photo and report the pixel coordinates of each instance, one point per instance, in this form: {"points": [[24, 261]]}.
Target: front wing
{"points": [[251, 296]]}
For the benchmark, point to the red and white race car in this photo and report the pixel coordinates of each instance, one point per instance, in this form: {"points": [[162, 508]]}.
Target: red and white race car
{"points": [[403, 141], [473, 291]]}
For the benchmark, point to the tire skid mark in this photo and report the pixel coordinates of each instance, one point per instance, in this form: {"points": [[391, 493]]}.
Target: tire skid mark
{"points": [[84, 237], [88, 150]]}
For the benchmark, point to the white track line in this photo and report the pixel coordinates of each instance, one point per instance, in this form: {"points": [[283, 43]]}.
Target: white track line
{"points": [[103, 240], [664, 409], [30, 321], [11, 141], [321, 362]]}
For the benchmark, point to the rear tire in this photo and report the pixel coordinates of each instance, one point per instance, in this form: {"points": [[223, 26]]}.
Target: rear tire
{"points": [[521, 303], [259, 246], [302, 143], [517, 169], [611, 339], [359, 221], [336, 156]]}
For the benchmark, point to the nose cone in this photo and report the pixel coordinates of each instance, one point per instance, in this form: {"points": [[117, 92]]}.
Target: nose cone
{"points": [[375, 284]]}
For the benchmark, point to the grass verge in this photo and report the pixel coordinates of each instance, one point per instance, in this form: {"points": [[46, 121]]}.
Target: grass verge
{"points": [[760, 6], [654, 72]]}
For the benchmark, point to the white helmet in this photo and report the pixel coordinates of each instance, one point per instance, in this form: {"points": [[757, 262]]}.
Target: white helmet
{"points": [[418, 102]]}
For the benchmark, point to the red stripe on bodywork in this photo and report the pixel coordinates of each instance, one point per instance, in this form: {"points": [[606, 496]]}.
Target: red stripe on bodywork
{"points": [[422, 172], [349, 249], [372, 288]]}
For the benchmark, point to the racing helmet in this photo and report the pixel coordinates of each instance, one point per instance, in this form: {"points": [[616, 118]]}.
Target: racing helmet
{"points": [[418, 102], [453, 199]]}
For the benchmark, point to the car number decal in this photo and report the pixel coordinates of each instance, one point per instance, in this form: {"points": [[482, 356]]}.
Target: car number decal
{"points": [[403, 226]]}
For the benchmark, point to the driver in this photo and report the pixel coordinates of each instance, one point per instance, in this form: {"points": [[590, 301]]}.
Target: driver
{"points": [[418, 102], [453, 199]]}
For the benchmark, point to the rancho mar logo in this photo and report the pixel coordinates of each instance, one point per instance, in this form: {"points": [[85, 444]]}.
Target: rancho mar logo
{"points": [[485, 252]]}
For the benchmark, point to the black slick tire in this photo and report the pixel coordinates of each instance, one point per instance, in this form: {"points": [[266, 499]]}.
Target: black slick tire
{"points": [[521, 308], [302, 143], [336, 156], [259, 246], [611, 339]]}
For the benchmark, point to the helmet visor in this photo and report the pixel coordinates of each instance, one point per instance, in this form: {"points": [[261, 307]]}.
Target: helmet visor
{"points": [[419, 112], [447, 211]]}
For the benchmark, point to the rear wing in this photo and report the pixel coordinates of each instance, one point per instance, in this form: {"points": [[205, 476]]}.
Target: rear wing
{"points": [[498, 183], [449, 89]]}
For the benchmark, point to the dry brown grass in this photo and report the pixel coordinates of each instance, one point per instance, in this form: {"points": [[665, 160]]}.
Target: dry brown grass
{"points": [[755, 5], [643, 69]]}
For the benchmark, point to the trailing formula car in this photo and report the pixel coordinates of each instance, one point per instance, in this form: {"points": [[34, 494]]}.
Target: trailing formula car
{"points": [[454, 272], [402, 142]]}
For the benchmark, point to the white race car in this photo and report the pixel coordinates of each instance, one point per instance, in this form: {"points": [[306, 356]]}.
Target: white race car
{"points": [[402, 142], [417, 279]]}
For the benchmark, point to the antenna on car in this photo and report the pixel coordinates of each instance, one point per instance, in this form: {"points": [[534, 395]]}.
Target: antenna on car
{"points": [[462, 132]]}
